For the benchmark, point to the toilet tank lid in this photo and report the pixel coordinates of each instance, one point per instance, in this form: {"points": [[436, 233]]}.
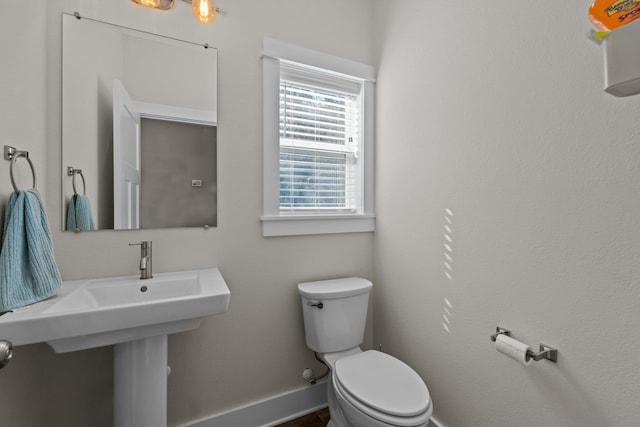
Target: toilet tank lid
{"points": [[335, 288]]}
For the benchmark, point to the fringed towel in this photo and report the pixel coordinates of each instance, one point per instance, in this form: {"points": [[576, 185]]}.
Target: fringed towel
{"points": [[28, 271], [79, 215]]}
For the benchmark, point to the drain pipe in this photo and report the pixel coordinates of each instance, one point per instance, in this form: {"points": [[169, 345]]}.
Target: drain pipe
{"points": [[307, 374]]}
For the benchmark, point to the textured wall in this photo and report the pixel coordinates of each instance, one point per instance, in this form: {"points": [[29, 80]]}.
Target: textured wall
{"points": [[495, 111], [257, 349]]}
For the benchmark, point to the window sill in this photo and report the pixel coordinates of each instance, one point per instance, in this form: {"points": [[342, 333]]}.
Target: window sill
{"points": [[295, 225]]}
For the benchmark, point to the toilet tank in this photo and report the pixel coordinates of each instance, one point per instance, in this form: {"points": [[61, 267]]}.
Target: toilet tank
{"points": [[335, 313]]}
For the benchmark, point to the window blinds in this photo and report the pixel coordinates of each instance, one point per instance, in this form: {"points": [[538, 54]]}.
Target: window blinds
{"points": [[319, 142]]}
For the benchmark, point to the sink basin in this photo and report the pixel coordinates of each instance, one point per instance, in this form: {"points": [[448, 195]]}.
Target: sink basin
{"points": [[122, 291], [97, 312]]}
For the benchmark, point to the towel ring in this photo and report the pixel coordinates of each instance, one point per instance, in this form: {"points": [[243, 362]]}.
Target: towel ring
{"points": [[14, 157], [73, 172]]}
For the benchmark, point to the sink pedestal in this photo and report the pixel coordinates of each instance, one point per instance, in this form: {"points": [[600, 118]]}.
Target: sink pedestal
{"points": [[140, 383]]}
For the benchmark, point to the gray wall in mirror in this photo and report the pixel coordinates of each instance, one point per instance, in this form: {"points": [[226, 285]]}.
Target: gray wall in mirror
{"points": [[170, 83], [173, 156]]}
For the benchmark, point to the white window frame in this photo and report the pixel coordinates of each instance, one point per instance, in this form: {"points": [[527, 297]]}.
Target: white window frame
{"points": [[275, 222]]}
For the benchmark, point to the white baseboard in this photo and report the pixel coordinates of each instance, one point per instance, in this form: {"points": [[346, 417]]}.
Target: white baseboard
{"points": [[276, 410], [435, 423], [273, 411]]}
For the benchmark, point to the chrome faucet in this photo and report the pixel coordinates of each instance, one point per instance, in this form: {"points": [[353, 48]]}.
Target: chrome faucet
{"points": [[146, 272]]}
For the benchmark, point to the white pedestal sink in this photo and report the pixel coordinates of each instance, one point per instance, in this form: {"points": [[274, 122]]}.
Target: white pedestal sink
{"points": [[135, 315]]}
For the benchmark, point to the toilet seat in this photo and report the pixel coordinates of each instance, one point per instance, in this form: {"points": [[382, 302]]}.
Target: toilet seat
{"points": [[384, 388], [380, 418]]}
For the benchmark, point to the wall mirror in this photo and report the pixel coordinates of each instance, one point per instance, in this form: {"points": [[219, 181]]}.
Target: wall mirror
{"points": [[139, 129]]}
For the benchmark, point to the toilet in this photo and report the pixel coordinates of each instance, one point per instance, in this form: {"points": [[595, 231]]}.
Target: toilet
{"points": [[365, 388]]}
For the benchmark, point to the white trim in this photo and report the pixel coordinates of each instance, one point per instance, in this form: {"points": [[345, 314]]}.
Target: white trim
{"points": [[271, 136], [295, 225], [271, 412], [276, 410], [276, 49], [368, 151], [171, 113]]}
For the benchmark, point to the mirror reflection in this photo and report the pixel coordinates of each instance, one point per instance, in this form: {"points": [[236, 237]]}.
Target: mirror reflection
{"points": [[139, 129]]}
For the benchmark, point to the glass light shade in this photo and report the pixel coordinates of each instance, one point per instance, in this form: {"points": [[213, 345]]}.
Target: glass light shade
{"points": [[157, 4], [204, 10]]}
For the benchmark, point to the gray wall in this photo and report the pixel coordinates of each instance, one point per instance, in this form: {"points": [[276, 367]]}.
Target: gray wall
{"points": [[172, 155], [257, 349], [495, 111], [496, 114]]}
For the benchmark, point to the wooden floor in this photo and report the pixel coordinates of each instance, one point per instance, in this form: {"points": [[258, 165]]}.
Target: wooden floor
{"points": [[317, 419]]}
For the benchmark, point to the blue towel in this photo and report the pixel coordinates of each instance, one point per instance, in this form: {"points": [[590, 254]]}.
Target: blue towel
{"points": [[79, 216], [28, 271]]}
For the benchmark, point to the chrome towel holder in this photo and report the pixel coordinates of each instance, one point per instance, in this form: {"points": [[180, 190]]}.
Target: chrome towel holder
{"points": [[71, 171], [545, 352], [11, 153]]}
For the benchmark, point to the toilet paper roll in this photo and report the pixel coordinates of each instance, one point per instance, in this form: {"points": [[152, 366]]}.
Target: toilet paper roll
{"points": [[513, 348]]}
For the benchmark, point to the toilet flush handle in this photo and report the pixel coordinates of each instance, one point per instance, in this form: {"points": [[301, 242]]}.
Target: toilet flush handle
{"points": [[318, 304]]}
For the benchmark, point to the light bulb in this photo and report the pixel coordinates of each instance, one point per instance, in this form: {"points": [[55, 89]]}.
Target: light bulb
{"points": [[203, 10], [149, 3]]}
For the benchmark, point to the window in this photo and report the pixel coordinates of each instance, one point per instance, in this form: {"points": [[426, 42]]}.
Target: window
{"points": [[320, 124], [318, 143]]}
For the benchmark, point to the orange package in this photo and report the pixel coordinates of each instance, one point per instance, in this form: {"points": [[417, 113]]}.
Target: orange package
{"points": [[607, 15]]}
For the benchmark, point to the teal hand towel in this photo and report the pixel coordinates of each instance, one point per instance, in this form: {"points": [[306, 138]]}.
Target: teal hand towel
{"points": [[79, 215], [28, 271]]}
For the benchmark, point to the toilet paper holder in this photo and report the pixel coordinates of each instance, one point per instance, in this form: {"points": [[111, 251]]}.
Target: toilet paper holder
{"points": [[546, 352]]}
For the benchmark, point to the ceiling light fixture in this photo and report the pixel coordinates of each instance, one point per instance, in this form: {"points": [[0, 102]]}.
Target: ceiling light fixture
{"points": [[203, 10]]}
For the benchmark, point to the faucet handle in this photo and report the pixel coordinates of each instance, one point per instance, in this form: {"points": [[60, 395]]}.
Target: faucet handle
{"points": [[145, 244]]}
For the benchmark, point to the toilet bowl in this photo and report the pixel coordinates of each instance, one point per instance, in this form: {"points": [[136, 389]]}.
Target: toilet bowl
{"points": [[366, 388], [375, 389]]}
